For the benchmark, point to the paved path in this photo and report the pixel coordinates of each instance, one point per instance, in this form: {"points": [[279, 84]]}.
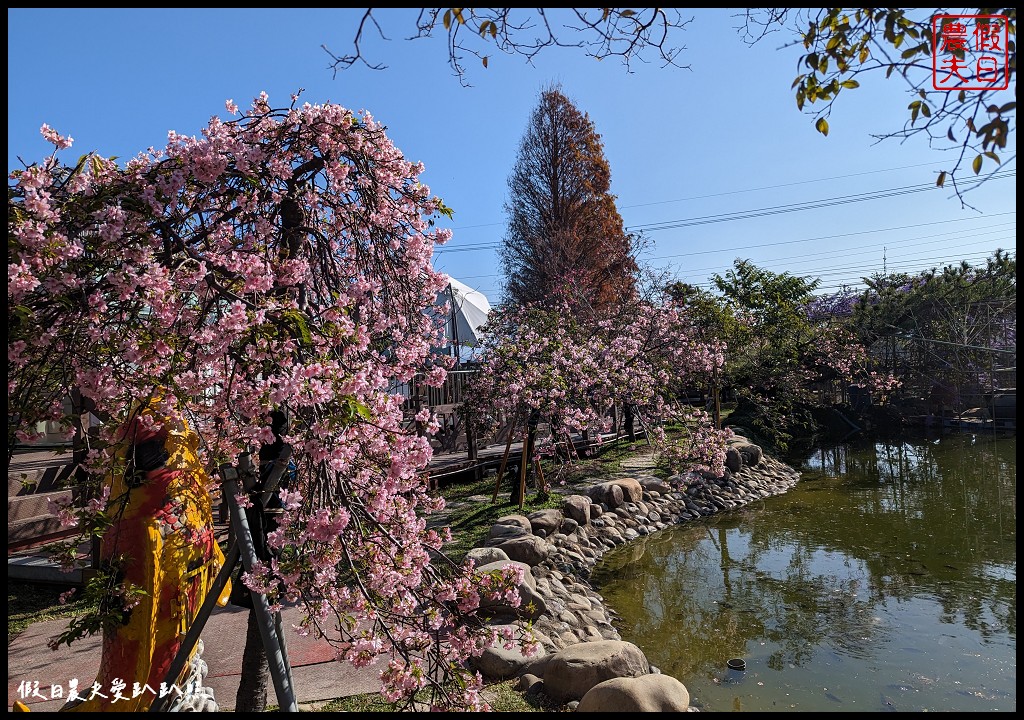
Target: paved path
{"points": [[316, 674], [641, 462]]}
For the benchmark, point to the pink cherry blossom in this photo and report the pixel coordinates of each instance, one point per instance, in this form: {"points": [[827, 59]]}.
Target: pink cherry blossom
{"points": [[281, 259]]}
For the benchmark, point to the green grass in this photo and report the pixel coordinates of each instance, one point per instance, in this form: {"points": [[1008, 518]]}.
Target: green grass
{"points": [[471, 523], [502, 696], [29, 603]]}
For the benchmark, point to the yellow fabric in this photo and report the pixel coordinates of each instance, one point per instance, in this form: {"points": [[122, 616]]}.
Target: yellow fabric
{"points": [[166, 530]]}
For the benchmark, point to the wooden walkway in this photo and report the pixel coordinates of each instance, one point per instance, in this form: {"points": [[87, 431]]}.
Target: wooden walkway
{"points": [[450, 466]]}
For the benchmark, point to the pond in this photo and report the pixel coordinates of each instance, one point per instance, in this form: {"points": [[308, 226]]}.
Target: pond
{"points": [[884, 581]]}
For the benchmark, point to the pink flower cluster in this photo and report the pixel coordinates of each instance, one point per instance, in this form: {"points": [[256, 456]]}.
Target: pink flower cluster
{"points": [[572, 367]]}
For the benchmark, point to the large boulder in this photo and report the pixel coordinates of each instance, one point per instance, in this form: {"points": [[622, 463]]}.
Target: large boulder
{"points": [[545, 522], [520, 520], [528, 579], [608, 493], [484, 555], [531, 605], [577, 507], [656, 484], [499, 663], [646, 693], [574, 670], [632, 490], [528, 549], [500, 532], [750, 453], [733, 459]]}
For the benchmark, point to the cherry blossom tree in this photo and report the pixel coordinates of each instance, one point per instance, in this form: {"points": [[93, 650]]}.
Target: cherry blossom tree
{"points": [[570, 368], [280, 261]]}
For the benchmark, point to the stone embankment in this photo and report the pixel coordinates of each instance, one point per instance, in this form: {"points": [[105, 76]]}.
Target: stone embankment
{"points": [[582, 662]]}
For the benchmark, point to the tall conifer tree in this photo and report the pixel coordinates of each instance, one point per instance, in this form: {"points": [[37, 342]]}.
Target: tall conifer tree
{"points": [[565, 237]]}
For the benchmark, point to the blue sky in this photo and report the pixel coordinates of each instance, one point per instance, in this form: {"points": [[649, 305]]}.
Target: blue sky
{"points": [[687, 148]]}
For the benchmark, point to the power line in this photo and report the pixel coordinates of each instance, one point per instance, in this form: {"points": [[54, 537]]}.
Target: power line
{"points": [[832, 237], [916, 261], [853, 275], [822, 257], [763, 212], [848, 277], [735, 192], [828, 237], [810, 205], [773, 187]]}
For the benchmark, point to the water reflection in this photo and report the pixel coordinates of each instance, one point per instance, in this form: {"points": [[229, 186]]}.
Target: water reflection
{"points": [[885, 580]]}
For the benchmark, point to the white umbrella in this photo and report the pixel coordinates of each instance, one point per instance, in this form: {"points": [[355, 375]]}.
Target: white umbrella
{"points": [[469, 309]]}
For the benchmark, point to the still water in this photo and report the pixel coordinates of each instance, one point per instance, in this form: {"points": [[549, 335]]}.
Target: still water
{"points": [[884, 581]]}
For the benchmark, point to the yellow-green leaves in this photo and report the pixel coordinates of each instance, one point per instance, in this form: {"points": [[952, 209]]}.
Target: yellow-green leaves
{"points": [[822, 126], [941, 179], [443, 209], [294, 324], [457, 14], [352, 409], [918, 108], [976, 165], [488, 26], [97, 164]]}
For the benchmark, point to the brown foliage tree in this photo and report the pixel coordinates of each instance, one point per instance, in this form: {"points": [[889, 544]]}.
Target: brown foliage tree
{"points": [[565, 237]]}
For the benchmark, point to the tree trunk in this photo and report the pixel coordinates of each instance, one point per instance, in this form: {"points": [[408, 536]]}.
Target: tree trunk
{"points": [[627, 409], [531, 442], [255, 679]]}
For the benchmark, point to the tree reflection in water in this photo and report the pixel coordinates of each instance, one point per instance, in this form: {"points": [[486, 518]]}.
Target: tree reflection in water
{"points": [[885, 555]]}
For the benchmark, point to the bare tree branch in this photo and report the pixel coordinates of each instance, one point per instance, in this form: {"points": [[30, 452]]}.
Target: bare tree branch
{"points": [[622, 33]]}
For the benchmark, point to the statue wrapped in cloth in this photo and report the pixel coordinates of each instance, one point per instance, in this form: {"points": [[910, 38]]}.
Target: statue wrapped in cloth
{"points": [[161, 557]]}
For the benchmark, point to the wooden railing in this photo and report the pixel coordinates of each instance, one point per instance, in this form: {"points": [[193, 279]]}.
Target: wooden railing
{"points": [[418, 394]]}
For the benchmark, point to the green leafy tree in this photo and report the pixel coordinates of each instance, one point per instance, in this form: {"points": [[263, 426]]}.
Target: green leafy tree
{"points": [[843, 47], [785, 360], [768, 334]]}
